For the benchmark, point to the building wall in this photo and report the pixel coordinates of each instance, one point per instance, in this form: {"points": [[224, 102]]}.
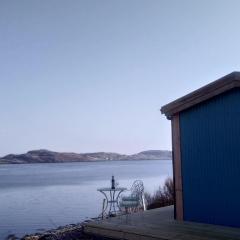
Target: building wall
{"points": [[210, 156]]}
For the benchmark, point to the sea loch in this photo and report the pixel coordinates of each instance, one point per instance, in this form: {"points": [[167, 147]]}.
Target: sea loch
{"points": [[36, 197]]}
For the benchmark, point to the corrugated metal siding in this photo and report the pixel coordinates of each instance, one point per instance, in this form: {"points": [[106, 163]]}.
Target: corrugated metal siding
{"points": [[210, 155]]}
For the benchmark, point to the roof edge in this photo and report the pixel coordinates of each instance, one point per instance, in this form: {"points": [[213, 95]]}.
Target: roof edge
{"points": [[204, 93]]}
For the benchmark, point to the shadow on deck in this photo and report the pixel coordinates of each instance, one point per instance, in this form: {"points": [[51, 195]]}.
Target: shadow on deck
{"points": [[157, 224]]}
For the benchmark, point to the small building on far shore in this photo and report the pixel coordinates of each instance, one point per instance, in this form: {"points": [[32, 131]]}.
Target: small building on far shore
{"points": [[206, 152]]}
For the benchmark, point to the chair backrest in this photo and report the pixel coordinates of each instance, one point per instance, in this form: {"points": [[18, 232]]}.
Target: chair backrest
{"points": [[137, 188]]}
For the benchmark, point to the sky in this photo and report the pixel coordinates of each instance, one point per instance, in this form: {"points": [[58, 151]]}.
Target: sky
{"points": [[91, 75]]}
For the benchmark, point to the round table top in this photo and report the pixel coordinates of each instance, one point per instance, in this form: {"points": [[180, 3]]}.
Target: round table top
{"points": [[105, 189]]}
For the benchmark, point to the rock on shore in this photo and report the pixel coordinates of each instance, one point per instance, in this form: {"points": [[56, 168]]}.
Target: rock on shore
{"points": [[69, 232]]}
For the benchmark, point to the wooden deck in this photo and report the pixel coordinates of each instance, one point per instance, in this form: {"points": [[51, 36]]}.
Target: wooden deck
{"points": [[157, 224]]}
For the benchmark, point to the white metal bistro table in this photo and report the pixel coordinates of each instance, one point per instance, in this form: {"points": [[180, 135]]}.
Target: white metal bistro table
{"points": [[112, 197]]}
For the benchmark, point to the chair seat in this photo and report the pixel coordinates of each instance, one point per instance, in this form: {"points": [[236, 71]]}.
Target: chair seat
{"points": [[130, 198], [129, 203]]}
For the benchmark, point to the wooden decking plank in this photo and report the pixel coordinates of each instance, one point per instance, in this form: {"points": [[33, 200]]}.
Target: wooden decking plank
{"points": [[159, 224]]}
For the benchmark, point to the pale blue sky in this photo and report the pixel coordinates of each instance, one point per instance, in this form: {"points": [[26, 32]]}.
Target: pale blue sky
{"points": [[88, 76]]}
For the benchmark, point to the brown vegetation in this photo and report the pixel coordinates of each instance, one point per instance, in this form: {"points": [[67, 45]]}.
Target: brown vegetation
{"points": [[164, 196]]}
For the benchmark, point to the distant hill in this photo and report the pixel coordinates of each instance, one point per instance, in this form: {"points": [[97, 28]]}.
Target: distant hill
{"points": [[46, 156]]}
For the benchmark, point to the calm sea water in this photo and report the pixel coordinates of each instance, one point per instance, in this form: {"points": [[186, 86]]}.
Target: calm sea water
{"points": [[36, 197]]}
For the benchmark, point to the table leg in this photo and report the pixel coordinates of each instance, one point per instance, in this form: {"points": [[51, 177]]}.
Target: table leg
{"points": [[106, 205]]}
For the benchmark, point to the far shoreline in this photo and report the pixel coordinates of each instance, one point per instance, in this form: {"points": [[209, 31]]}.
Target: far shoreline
{"points": [[47, 156], [87, 161]]}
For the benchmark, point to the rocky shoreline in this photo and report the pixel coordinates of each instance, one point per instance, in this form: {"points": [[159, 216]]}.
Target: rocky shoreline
{"points": [[68, 232]]}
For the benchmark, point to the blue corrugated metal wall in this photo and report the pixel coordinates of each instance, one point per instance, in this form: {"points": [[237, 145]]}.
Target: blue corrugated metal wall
{"points": [[210, 154]]}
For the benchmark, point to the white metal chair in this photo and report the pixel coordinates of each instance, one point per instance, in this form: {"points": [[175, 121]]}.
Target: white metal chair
{"points": [[135, 201]]}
